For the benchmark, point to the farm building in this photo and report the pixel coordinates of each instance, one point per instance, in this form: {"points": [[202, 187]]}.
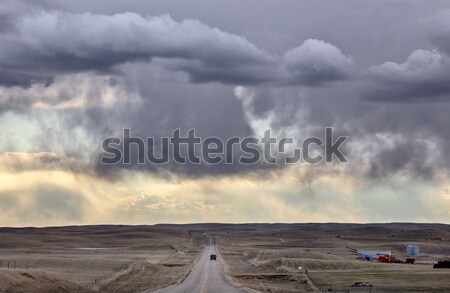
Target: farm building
{"points": [[373, 254]]}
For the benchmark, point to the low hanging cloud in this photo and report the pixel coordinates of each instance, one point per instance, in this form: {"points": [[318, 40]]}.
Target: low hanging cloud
{"points": [[68, 91], [98, 63], [316, 61], [51, 43], [424, 76], [46, 44], [73, 73], [28, 162]]}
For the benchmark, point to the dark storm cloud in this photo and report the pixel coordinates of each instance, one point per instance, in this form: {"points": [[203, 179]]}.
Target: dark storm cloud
{"points": [[315, 62], [11, 78], [386, 138], [52, 43], [12, 11], [182, 69], [46, 44], [424, 76], [410, 157], [210, 109]]}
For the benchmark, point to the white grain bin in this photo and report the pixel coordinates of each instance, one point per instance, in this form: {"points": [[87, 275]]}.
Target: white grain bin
{"points": [[412, 250]]}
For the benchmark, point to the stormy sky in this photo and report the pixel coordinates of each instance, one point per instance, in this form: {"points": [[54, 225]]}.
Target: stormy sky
{"points": [[73, 73]]}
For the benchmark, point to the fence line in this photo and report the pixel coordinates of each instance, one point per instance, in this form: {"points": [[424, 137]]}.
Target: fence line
{"points": [[14, 265], [109, 276], [24, 265]]}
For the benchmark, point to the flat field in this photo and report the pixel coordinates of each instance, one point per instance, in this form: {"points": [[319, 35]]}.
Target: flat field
{"points": [[97, 258], [257, 257], [267, 258]]}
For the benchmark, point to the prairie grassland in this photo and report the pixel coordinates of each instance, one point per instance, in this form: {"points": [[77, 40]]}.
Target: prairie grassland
{"points": [[88, 259], [267, 259], [258, 257]]}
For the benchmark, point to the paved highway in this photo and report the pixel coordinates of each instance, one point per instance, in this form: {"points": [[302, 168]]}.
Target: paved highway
{"points": [[206, 276]]}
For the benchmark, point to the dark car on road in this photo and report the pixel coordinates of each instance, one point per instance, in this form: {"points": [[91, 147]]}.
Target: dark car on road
{"points": [[213, 257]]}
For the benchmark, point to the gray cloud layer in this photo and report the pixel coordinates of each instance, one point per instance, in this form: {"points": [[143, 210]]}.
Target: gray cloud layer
{"points": [[423, 76], [183, 73], [46, 44]]}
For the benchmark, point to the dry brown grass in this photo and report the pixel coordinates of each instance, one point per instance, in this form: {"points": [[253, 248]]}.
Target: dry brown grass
{"points": [[260, 257], [101, 259], [264, 257], [31, 281]]}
